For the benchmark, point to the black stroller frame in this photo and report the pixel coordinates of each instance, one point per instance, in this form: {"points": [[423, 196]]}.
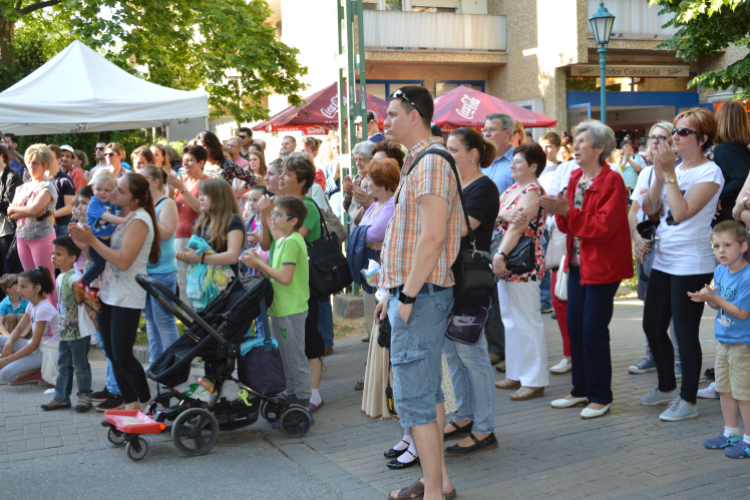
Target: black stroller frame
{"points": [[193, 419]]}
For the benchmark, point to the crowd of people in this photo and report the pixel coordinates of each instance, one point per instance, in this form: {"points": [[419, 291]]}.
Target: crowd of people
{"points": [[561, 220]]}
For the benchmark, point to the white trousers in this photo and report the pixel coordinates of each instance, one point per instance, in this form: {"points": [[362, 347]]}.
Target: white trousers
{"points": [[525, 342]]}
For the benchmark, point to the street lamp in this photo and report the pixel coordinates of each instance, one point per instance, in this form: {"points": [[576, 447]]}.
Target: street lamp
{"points": [[601, 24]]}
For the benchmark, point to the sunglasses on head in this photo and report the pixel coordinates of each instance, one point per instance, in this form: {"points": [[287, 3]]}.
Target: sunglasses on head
{"points": [[684, 132], [399, 94]]}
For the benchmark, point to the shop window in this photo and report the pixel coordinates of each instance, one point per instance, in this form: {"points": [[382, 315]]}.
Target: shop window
{"points": [[441, 87], [384, 88]]}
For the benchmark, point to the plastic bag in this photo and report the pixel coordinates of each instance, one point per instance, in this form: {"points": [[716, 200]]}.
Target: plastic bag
{"points": [[372, 273]]}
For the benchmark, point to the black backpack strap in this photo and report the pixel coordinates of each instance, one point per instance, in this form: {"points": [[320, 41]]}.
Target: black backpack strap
{"points": [[449, 158]]}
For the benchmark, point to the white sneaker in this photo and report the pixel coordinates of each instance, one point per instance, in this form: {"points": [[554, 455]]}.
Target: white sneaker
{"points": [[563, 366], [709, 392]]}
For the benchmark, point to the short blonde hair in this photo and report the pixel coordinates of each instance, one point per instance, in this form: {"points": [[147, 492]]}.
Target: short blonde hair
{"points": [[42, 152], [102, 175]]}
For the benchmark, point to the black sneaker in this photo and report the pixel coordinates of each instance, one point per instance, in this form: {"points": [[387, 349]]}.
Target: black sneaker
{"points": [[115, 402], [102, 395]]}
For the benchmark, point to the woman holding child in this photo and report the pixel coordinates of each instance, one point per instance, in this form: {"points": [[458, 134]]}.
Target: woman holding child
{"points": [[161, 327], [685, 197], [32, 208], [134, 245]]}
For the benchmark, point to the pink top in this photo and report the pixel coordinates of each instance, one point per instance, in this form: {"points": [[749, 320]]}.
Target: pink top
{"points": [[378, 223], [241, 162]]}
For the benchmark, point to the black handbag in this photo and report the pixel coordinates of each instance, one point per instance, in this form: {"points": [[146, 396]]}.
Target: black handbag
{"points": [[384, 333], [472, 269], [522, 259], [261, 368], [329, 270]]}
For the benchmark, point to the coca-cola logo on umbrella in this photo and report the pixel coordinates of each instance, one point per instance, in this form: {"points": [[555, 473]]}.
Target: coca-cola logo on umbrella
{"points": [[332, 110], [469, 106]]}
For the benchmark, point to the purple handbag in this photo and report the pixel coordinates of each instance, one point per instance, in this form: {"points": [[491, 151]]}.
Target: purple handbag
{"points": [[467, 328]]}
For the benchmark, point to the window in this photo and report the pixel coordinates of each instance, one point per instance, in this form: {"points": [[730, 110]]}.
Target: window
{"points": [[384, 88], [441, 87], [394, 5]]}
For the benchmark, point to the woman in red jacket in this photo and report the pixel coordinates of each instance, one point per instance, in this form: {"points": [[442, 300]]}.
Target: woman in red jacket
{"points": [[593, 212]]}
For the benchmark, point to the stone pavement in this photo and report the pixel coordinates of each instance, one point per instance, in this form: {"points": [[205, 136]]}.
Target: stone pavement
{"points": [[543, 452]]}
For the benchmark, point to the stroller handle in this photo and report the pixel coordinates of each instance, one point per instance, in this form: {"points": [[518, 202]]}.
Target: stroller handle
{"points": [[162, 293]]}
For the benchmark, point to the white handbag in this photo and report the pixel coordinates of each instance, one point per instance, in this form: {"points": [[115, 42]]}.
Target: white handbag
{"points": [[555, 248], [561, 285]]}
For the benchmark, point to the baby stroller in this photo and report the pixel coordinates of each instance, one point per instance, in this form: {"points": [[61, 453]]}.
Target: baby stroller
{"points": [[214, 336]]}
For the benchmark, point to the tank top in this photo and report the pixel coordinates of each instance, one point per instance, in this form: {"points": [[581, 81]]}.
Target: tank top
{"points": [[167, 262]]}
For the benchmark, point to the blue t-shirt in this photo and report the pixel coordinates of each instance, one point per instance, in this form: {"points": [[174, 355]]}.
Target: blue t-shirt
{"points": [[6, 307], [99, 226], [734, 288]]}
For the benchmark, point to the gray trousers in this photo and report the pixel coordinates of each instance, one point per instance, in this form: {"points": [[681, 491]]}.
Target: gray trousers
{"points": [[289, 332], [10, 372]]}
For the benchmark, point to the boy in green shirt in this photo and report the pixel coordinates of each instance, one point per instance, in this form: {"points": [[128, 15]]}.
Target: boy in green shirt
{"points": [[289, 273]]}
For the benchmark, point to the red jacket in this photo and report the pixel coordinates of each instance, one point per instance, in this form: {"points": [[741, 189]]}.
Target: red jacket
{"points": [[602, 226]]}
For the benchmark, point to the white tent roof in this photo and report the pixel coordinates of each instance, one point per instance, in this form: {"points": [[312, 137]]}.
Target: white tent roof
{"points": [[80, 91]]}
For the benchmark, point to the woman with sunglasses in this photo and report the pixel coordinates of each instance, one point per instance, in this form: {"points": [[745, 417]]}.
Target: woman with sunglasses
{"points": [[113, 155], [685, 197]]}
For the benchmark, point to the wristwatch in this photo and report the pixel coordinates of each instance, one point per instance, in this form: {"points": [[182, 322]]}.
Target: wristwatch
{"points": [[405, 299], [670, 181]]}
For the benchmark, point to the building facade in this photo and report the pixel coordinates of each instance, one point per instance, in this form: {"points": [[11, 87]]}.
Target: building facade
{"points": [[539, 54]]}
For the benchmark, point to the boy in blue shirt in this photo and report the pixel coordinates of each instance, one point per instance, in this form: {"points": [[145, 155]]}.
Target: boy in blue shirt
{"points": [[101, 217], [12, 307], [730, 295]]}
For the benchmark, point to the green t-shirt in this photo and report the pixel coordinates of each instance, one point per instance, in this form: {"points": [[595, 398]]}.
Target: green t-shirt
{"points": [[293, 298], [312, 222]]}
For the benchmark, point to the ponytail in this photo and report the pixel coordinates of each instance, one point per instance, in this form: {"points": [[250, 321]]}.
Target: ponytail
{"points": [[472, 139], [41, 276]]}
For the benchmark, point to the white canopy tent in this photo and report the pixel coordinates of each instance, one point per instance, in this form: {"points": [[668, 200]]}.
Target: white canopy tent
{"points": [[80, 91]]}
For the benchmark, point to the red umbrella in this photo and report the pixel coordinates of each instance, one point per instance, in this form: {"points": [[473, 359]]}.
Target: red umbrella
{"points": [[319, 113], [466, 107]]}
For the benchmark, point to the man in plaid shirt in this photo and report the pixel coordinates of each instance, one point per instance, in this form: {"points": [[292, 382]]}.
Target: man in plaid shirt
{"points": [[420, 246]]}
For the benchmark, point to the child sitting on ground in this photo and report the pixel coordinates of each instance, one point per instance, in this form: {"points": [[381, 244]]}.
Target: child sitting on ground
{"points": [[101, 217], [12, 307], [22, 360], [289, 273], [731, 296], [74, 347]]}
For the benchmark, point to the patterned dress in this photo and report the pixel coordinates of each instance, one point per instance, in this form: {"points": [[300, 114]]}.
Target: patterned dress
{"points": [[534, 230]]}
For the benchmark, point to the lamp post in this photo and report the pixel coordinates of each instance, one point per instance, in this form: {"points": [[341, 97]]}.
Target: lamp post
{"points": [[601, 24]]}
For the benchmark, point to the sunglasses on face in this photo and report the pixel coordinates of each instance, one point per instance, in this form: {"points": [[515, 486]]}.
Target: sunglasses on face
{"points": [[243, 137], [110, 154], [98, 149], [657, 138], [684, 132], [399, 94]]}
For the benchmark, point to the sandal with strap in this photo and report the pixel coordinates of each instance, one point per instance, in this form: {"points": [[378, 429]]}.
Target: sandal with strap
{"points": [[508, 384], [525, 393], [394, 453], [397, 465], [459, 431], [416, 488]]}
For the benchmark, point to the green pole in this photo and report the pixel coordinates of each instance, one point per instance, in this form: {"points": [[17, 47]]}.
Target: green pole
{"points": [[603, 70]]}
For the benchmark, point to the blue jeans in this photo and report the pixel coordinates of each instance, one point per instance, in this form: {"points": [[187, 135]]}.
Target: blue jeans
{"points": [[590, 309], [112, 386], [545, 289], [417, 353], [61, 230], [325, 321], [473, 383], [161, 327], [73, 357]]}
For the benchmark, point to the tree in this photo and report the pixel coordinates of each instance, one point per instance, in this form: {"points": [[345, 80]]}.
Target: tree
{"points": [[183, 44], [706, 27]]}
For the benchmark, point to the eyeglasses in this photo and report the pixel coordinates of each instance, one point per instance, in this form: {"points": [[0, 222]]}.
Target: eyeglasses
{"points": [[399, 94], [684, 132], [110, 154], [658, 138], [98, 148], [274, 213], [243, 137]]}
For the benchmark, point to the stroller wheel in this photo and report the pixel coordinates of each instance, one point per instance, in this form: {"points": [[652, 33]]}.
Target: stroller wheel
{"points": [[189, 432], [270, 412], [136, 449], [295, 422], [115, 437]]}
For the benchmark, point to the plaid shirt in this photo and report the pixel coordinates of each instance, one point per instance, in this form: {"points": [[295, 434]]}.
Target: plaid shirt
{"points": [[433, 175]]}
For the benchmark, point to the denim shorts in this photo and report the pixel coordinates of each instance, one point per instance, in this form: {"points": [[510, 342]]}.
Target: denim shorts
{"points": [[416, 354]]}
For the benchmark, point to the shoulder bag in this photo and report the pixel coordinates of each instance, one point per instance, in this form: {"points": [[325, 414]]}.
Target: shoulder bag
{"points": [[522, 259], [329, 270], [561, 285], [333, 222], [472, 268]]}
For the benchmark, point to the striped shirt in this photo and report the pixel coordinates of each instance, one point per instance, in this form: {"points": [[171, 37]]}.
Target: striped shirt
{"points": [[433, 175]]}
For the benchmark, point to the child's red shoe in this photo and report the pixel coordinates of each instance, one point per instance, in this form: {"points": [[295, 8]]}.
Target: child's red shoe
{"points": [[79, 291], [91, 299]]}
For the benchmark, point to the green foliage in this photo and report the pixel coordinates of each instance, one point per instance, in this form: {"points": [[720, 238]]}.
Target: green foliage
{"points": [[706, 27], [183, 44]]}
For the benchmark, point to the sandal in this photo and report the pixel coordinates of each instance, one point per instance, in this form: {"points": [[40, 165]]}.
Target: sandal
{"points": [[459, 431], [525, 393], [508, 384], [416, 488]]}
